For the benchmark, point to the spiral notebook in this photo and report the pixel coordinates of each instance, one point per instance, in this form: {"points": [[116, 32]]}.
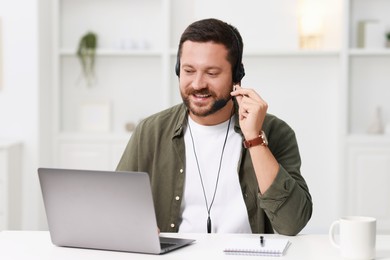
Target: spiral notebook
{"points": [[252, 246]]}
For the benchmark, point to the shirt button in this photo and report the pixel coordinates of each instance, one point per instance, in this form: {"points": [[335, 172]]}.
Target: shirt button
{"points": [[172, 225], [181, 170], [177, 197]]}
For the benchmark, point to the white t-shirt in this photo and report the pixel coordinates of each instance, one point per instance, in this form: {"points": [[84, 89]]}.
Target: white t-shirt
{"points": [[228, 212]]}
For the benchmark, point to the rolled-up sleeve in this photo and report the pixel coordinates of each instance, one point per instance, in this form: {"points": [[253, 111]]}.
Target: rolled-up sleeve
{"points": [[287, 204]]}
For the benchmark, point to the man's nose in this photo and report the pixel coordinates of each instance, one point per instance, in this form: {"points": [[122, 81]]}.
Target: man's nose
{"points": [[199, 81]]}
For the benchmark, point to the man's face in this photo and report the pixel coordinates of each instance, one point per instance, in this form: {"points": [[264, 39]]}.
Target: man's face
{"points": [[205, 77]]}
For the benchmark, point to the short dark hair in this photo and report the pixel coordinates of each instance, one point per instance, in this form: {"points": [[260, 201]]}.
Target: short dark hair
{"points": [[220, 32]]}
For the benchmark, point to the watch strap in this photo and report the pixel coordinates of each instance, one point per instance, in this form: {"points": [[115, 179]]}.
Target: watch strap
{"points": [[256, 141]]}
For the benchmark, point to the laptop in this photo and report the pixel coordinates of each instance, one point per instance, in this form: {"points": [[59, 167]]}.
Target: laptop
{"points": [[103, 210]]}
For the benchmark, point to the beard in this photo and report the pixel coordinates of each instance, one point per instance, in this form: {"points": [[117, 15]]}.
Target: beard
{"points": [[203, 111]]}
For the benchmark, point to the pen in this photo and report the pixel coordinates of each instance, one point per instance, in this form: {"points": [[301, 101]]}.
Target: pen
{"points": [[261, 240]]}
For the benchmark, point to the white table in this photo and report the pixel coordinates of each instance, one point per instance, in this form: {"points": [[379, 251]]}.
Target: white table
{"points": [[17, 245]]}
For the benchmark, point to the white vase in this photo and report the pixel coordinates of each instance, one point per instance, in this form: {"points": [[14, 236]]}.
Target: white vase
{"points": [[376, 127]]}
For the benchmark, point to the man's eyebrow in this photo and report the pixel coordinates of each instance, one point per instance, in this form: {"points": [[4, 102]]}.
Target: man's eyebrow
{"points": [[206, 68]]}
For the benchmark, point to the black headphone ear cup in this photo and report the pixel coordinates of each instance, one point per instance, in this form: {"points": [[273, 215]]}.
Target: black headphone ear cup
{"points": [[177, 67], [239, 73]]}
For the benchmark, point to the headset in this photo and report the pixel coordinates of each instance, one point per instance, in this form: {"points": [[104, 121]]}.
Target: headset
{"points": [[238, 69]]}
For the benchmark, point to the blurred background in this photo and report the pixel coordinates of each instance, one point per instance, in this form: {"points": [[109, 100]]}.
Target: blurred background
{"points": [[76, 76]]}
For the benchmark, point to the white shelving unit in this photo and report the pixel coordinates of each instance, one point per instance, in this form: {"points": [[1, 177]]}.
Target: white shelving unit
{"points": [[368, 81], [368, 75], [131, 56], [128, 42], [327, 95]]}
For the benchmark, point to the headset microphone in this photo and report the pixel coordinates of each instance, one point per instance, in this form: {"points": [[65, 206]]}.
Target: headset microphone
{"points": [[220, 103]]}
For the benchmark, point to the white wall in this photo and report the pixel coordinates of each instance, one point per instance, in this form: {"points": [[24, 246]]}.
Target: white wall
{"points": [[19, 97]]}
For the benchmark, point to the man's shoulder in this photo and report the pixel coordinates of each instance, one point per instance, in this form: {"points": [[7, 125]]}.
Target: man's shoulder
{"points": [[272, 120], [276, 126], [170, 117], [168, 113]]}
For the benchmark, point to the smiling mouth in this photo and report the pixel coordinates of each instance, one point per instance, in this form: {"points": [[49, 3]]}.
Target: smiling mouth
{"points": [[201, 96]]}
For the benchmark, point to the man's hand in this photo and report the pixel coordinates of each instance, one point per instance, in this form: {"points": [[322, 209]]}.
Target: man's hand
{"points": [[252, 111]]}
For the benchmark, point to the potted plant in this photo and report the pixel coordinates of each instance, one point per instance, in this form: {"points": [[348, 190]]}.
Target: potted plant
{"points": [[388, 39], [86, 53]]}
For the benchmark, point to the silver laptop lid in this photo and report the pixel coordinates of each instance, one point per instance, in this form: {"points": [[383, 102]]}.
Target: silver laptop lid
{"points": [[100, 209]]}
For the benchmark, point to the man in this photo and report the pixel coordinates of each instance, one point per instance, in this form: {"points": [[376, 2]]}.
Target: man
{"points": [[211, 166]]}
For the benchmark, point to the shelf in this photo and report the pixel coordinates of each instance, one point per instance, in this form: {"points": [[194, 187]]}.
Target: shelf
{"points": [[5, 143], [376, 139], [92, 137], [113, 52], [285, 53], [293, 53], [369, 52]]}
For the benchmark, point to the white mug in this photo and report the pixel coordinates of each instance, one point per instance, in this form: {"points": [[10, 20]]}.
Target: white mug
{"points": [[357, 237]]}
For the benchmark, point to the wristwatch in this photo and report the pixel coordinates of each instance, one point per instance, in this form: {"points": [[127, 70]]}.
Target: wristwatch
{"points": [[260, 140]]}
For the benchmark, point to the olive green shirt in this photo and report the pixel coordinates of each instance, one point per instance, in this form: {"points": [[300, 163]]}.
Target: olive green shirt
{"points": [[157, 147]]}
